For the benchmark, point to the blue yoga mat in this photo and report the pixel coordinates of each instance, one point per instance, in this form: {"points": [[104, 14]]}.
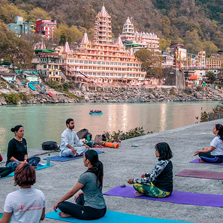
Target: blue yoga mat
{"points": [[39, 167], [64, 159], [197, 161], [113, 217]]}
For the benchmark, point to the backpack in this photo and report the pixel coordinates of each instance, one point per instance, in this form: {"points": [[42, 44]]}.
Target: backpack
{"points": [[98, 139], [82, 134], [50, 145]]}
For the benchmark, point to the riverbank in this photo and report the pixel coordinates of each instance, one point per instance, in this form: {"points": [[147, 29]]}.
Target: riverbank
{"points": [[110, 95], [127, 162]]}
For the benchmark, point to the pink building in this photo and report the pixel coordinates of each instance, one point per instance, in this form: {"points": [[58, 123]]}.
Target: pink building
{"points": [[138, 40], [46, 27], [102, 61]]}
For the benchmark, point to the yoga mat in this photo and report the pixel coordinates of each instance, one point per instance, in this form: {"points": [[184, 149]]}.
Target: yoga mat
{"points": [[196, 161], [1, 215], [201, 174], [178, 197], [113, 217], [64, 159], [39, 167]]}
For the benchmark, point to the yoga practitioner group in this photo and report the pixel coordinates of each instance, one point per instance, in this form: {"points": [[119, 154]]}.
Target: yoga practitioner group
{"points": [[28, 204]]}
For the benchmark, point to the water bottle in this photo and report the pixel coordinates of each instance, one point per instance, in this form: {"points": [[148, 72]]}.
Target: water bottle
{"points": [[48, 160], [88, 138]]}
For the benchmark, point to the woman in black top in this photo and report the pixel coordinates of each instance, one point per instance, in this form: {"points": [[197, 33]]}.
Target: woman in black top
{"points": [[158, 183], [17, 150]]}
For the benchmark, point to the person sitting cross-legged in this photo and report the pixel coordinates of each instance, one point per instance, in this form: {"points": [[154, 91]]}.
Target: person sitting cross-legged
{"points": [[213, 154], [158, 183], [70, 143]]}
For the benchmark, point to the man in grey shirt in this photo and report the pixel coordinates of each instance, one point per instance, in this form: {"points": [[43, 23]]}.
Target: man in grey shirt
{"points": [[70, 143]]}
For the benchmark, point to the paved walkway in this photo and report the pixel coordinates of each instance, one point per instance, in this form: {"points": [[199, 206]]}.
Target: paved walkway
{"points": [[127, 162]]}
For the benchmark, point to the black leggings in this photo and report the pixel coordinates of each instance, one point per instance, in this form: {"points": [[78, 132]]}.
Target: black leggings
{"points": [[80, 211], [207, 157], [4, 171]]}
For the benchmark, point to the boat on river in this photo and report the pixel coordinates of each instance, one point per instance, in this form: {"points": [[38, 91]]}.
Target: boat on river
{"points": [[31, 87], [96, 112]]}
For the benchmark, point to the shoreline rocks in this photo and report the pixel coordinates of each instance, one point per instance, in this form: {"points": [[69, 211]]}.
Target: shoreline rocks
{"points": [[126, 95]]}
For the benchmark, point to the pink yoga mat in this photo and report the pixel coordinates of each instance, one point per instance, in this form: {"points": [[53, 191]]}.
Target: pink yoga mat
{"points": [[178, 197], [201, 174]]}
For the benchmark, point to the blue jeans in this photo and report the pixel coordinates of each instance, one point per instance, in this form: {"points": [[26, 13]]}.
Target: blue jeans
{"points": [[32, 161]]}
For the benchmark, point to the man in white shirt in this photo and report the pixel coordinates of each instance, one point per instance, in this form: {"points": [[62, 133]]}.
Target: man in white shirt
{"points": [[70, 143]]}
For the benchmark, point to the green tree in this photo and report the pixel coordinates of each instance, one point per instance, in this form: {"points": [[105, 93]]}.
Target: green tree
{"points": [[209, 47], [151, 61], [8, 12], [17, 51], [38, 13], [211, 77], [164, 43], [71, 34]]}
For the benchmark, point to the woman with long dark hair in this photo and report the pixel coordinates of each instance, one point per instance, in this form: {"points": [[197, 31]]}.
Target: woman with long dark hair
{"points": [[213, 154], [158, 183], [26, 204], [90, 203], [17, 150]]}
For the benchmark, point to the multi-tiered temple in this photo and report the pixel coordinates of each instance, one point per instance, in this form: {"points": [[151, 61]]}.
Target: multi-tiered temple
{"points": [[101, 60], [138, 40]]}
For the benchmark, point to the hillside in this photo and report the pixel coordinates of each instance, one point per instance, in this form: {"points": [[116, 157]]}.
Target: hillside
{"points": [[196, 23]]}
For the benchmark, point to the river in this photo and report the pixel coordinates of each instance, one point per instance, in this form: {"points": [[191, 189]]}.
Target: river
{"points": [[46, 122]]}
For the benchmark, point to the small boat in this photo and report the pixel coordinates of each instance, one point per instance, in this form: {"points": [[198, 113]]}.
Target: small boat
{"points": [[31, 87], [96, 112], [51, 94]]}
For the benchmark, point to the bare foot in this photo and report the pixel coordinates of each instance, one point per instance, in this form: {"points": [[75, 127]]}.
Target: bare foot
{"points": [[80, 154], [64, 215], [138, 194], [201, 161]]}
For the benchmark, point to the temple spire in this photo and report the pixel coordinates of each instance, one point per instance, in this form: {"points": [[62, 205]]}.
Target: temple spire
{"points": [[131, 53], [85, 40], [119, 42], [66, 48], [103, 32]]}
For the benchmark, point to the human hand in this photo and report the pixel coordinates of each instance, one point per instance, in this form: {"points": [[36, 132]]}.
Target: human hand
{"points": [[143, 175], [76, 196], [130, 181], [196, 153], [86, 146], [74, 150], [55, 206]]}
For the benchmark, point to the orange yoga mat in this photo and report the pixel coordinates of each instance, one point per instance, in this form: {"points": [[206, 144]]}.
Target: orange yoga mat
{"points": [[110, 144]]}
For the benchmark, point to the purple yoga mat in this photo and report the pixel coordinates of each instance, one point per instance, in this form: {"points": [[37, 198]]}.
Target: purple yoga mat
{"points": [[196, 161], [178, 197], [201, 174]]}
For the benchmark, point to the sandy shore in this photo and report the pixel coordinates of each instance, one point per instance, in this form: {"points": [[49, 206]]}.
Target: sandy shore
{"points": [[127, 162]]}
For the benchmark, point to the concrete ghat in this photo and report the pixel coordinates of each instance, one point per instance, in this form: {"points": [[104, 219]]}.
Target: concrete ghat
{"points": [[127, 162]]}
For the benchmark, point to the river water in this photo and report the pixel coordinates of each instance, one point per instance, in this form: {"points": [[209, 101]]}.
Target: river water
{"points": [[46, 122]]}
